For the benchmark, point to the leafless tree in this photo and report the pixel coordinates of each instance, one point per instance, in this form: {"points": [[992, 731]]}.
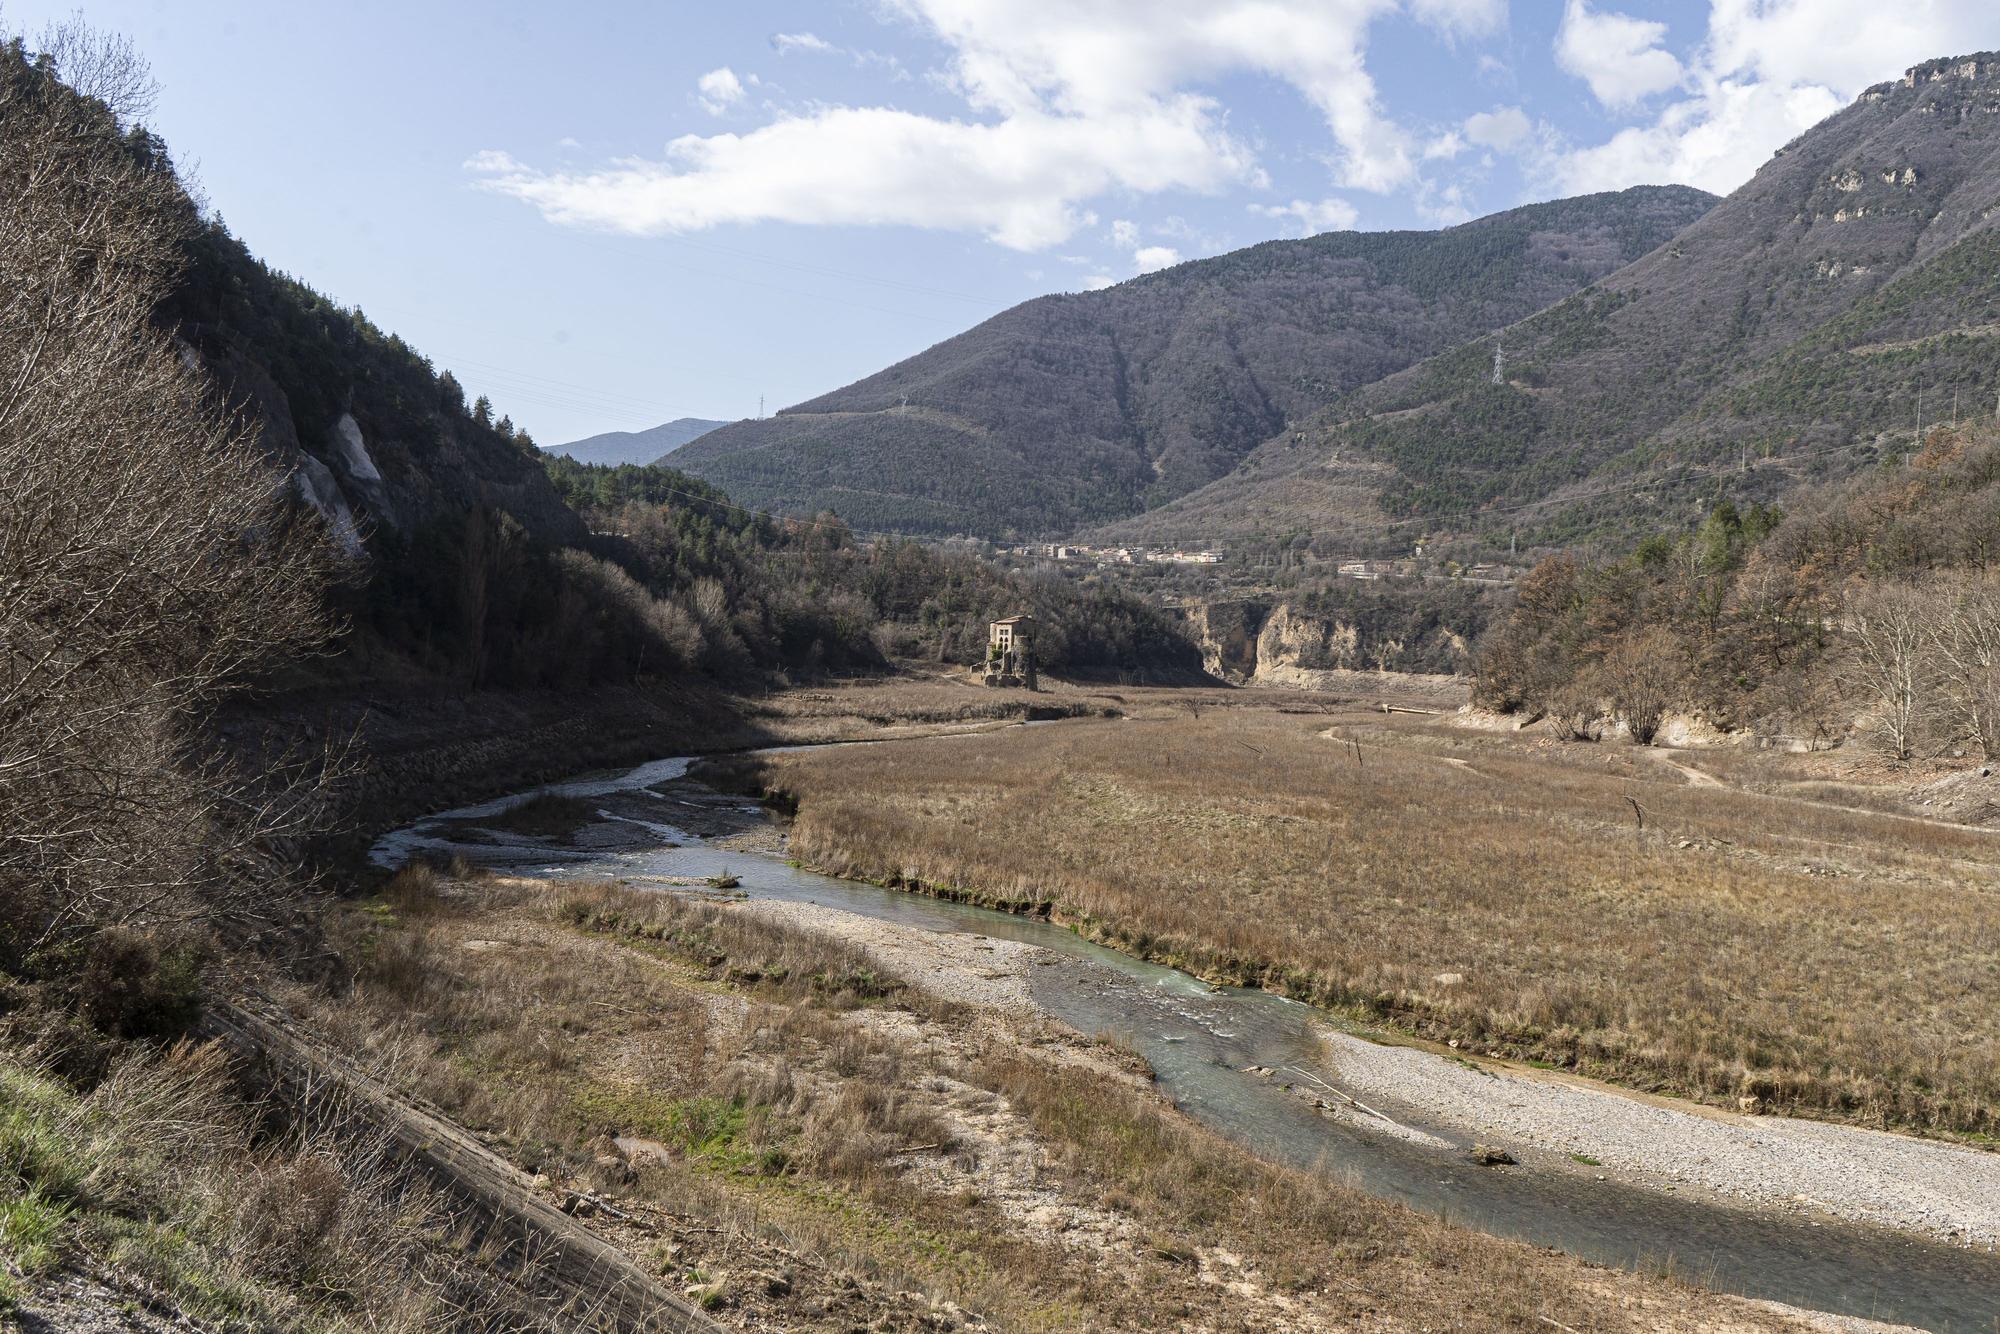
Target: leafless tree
{"points": [[149, 557], [1644, 676], [101, 65], [1576, 709], [1890, 663], [1963, 625]]}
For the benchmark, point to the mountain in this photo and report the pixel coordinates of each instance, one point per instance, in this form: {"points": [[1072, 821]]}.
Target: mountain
{"points": [[1072, 409], [651, 445], [373, 437], [1798, 321]]}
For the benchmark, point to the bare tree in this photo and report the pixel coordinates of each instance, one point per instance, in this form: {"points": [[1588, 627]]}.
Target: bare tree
{"points": [[1890, 663], [101, 65], [1964, 632], [148, 556], [1644, 676], [1576, 708]]}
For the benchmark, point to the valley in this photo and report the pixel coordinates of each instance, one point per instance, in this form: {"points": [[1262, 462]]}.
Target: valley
{"points": [[1682, 1163], [1434, 777]]}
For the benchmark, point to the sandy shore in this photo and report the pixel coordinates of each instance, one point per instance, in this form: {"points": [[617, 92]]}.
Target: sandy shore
{"points": [[1548, 1121], [965, 968], [1939, 1189]]}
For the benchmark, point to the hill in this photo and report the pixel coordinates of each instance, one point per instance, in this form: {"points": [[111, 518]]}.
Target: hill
{"points": [[1074, 409], [651, 445], [1788, 333]]}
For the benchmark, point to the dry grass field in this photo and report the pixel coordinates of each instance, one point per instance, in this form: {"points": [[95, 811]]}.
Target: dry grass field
{"points": [[1823, 957], [838, 1151]]}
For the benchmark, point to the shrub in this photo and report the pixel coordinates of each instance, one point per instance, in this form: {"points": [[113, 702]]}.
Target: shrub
{"points": [[134, 987]]}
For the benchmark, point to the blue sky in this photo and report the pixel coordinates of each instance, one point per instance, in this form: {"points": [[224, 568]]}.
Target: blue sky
{"points": [[607, 215]]}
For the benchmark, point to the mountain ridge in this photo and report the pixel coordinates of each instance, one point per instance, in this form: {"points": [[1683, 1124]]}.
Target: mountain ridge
{"points": [[651, 445], [1796, 321], [1093, 405]]}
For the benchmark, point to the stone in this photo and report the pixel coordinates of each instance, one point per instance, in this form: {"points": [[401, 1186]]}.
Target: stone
{"points": [[1750, 1104], [1492, 1155]]}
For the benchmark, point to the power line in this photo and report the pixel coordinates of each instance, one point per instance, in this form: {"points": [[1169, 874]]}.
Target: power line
{"points": [[1688, 472]]}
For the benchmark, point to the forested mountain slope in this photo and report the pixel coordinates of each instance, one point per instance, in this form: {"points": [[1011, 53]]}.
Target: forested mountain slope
{"points": [[1798, 320], [1077, 408], [464, 558]]}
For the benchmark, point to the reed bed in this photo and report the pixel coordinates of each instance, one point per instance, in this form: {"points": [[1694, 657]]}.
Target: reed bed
{"points": [[1585, 906]]}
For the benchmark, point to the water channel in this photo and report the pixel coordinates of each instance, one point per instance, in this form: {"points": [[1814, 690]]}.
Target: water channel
{"points": [[1200, 1041]]}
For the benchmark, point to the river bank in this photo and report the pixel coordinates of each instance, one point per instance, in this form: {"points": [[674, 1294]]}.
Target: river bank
{"points": [[1550, 1121]]}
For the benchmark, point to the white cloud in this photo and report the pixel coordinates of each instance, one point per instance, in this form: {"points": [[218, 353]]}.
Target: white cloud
{"points": [[491, 161], [1097, 282], [1150, 257], [1715, 141], [1502, 128], [1462, 18], [1446, 206], [1086, 59], [1620, 57], [1768, 70], [1444, 147], [1019, 181], [1124, 233], [718, 90], [1309, 217], [1066, 102], [788, 42]]}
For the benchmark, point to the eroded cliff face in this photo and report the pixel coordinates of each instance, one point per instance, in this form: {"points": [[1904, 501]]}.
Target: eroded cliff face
{"points": [[1248, 642], [1227, 633], [1292, 643]]}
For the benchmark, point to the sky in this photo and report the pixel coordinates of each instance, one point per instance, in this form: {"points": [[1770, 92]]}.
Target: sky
{"points": [[607, 215]]}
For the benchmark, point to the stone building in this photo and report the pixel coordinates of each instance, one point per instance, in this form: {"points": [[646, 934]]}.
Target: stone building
{"points": [[1010, 652]]}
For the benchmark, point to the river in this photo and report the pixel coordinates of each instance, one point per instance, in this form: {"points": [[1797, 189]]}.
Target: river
{"points": [[1201, 1041]]}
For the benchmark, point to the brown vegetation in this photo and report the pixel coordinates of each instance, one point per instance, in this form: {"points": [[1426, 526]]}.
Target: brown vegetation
{"points": [[1824, 958], [827, 1158], [146, 557], [170, 1188], [1870, 609]]}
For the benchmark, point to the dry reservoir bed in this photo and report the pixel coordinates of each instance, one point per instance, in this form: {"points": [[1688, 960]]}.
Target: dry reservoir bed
{"points": [[1478, 889]]}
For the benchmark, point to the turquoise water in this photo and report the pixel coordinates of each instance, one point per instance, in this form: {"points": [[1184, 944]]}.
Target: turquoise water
{"points": [[1200, 1039]]}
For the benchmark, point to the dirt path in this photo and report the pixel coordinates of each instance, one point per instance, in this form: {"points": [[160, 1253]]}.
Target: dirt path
{"points": [[1694, 776]]}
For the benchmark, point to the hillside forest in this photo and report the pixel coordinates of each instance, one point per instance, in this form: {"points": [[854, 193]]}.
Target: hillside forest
{"points": [[1873, 598]]}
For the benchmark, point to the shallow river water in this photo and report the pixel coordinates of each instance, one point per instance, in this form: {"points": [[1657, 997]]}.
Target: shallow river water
{"points": [[1200, 1039]]}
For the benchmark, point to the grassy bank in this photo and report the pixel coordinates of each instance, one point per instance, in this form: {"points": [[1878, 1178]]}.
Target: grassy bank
{"points": [[837, 1148], [173, 1199], [1474, 888]]}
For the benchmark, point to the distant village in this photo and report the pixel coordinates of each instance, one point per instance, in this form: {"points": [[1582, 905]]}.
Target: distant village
{"points": [[1116, 555], [1409, 567]]}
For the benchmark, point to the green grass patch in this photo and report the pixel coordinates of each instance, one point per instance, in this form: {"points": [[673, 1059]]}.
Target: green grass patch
{"points": [[708, 1131], [1585, 1159], [32, 1228], [34, 1150]]}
